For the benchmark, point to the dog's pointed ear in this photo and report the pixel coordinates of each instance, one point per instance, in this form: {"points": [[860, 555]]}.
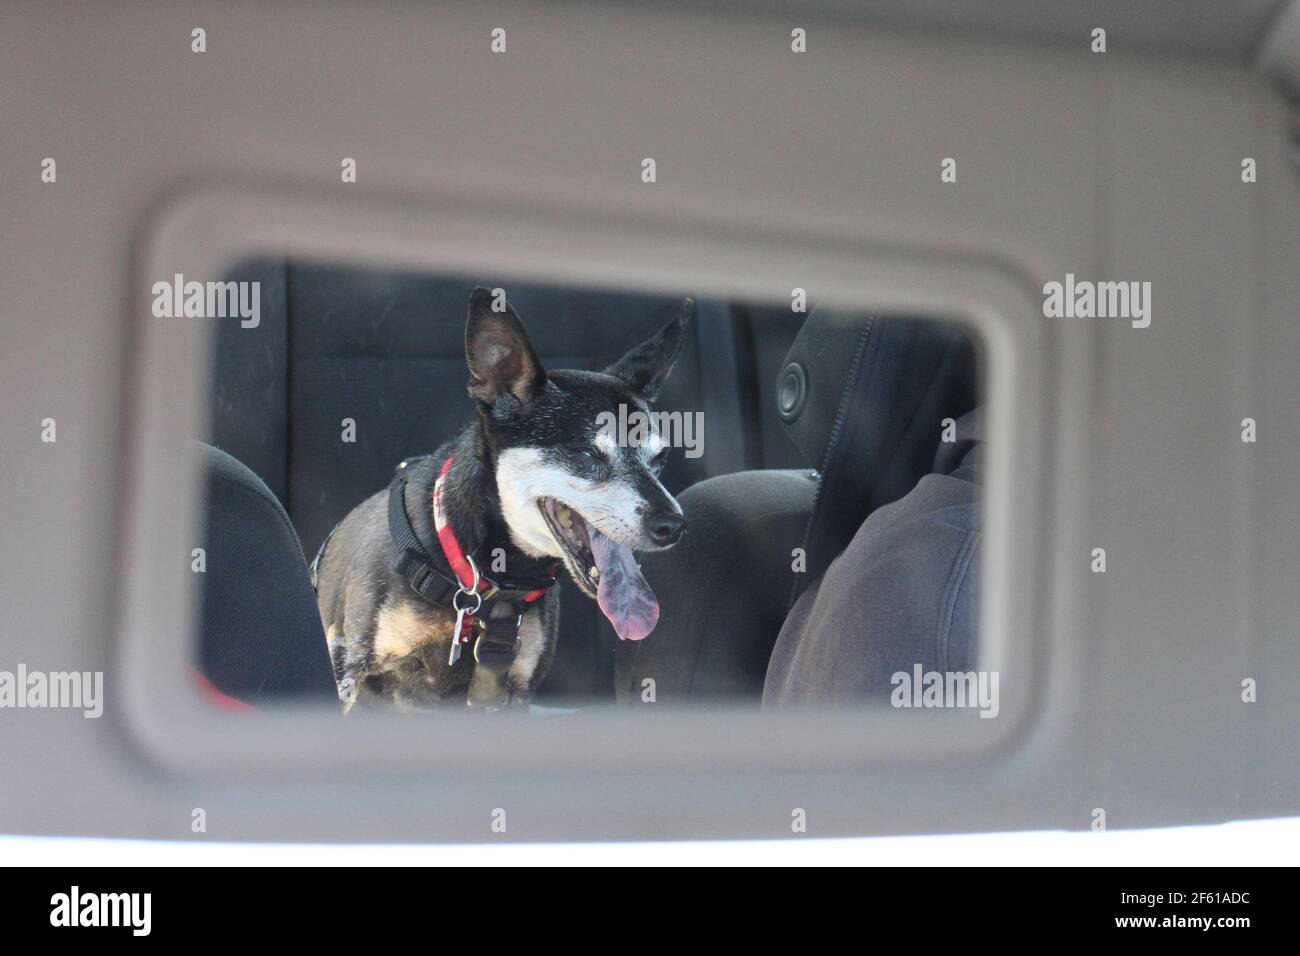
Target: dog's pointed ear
{"points": [[501, 359], [645, 367]]}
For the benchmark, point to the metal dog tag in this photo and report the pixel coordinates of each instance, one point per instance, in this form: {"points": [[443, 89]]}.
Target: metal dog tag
{"points": [[470, 609], [455, 636]]}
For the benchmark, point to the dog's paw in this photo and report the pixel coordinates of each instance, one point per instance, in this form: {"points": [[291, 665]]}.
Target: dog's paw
{"points": [[521, 697], [348, 691]]}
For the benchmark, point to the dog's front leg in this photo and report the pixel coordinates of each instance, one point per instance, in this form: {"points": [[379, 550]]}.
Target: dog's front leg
{"points": [[500, 682], [348, 688], [538, 633], [349, 671], [488, 690]]}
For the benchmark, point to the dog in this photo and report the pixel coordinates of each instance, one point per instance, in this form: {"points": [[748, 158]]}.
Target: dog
{"points": [[464, 545]]}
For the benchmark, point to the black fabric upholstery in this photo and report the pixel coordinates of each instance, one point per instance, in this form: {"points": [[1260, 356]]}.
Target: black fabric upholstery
{"points": [[766, 336], [250, 412], [904, 378], [260, 633], [824, 349]]}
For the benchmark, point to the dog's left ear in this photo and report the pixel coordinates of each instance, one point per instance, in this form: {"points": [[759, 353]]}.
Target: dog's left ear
{"points": [[645, 367], [500, 356]]}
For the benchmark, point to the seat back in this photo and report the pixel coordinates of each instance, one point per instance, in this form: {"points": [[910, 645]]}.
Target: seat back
{"points": [[260, 634]]}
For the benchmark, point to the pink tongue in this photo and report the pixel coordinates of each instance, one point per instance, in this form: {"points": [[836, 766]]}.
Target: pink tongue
{"points": [[622, 593]]}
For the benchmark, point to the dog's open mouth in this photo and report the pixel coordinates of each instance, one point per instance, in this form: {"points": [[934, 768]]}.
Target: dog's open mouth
{"points": [[604, 570]]}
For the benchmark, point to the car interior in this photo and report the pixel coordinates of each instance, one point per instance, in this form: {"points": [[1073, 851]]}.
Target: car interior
{"points": [[773, 388]]}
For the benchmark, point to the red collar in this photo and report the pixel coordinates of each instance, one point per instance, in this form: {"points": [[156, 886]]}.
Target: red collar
{"points": [[462, 566]]}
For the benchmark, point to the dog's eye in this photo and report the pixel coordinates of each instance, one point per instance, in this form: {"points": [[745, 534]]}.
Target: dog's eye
{"points": [[661, 459], [592, 456]]}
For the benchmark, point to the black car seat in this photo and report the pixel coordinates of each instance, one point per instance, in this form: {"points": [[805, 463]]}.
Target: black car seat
{"points": [[260, 634], [863, 399]]}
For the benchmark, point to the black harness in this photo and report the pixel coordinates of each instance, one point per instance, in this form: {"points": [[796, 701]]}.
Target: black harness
{"points": [[495, 606]]}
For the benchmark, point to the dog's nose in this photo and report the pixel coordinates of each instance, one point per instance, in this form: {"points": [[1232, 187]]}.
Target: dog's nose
{"points": [[665, 527]]}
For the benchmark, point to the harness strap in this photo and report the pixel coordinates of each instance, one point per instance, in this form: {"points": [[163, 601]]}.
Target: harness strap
{"points": [[422, 570], [413, 561], [313, 569], [492, 609]]}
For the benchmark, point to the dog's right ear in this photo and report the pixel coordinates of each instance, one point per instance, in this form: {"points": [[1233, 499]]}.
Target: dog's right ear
{"points": [[500, 357]]}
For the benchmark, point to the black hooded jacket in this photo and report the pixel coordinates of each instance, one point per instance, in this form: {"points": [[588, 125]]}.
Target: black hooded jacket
{"points": [[904, 592]]}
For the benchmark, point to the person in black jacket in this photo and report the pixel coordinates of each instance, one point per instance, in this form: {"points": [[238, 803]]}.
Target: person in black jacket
{"points": [[903, 593]]}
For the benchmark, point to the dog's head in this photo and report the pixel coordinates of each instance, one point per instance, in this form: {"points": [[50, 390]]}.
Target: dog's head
{"points": [[574, 481]]}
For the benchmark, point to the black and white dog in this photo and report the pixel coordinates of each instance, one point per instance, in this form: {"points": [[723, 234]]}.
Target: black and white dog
{"points": [[462, 548]]}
